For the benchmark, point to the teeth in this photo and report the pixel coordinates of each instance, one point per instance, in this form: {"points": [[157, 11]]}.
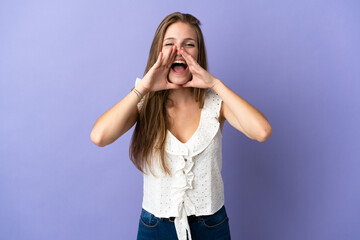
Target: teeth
{"points": [[180, 61]]}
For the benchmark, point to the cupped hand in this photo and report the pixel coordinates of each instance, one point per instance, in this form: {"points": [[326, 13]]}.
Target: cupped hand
{"points": [[156, 78], [201, 78]]}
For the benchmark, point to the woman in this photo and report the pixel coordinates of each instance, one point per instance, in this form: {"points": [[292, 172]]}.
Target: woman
{"points": [[180, 110]]}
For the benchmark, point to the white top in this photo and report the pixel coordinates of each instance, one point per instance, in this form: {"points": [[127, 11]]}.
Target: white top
{"points": [[195, 186]]}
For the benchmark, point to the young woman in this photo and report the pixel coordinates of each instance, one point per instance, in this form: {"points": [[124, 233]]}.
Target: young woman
{"points": [[179, 109]]}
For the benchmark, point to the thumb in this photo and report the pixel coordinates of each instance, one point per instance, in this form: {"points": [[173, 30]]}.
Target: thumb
{"points": [[173, 86], [188, 84]]}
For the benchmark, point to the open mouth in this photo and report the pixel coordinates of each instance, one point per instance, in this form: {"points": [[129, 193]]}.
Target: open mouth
{"points": [[179, 66]]}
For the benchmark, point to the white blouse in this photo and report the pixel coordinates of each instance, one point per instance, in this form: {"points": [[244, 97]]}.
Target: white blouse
{"points": [[195, 186]]}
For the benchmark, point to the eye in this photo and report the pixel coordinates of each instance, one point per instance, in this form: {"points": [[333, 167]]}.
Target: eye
{"points": [[190, 45], [169, 44]]}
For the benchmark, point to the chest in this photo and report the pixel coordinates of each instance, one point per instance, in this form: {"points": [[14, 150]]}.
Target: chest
{"points": [[183, 122]]}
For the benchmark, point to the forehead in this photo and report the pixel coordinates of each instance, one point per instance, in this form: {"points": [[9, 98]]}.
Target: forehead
{"points": [[180, 30]]}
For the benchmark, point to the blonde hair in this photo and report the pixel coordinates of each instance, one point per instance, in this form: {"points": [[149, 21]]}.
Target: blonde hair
{"points": [[151, 128]]}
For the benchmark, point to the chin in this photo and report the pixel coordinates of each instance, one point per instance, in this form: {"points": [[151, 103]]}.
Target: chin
{"points": [[179, 79]]}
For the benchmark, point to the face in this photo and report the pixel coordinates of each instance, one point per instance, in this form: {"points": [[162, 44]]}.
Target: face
{"points": [[180, 34]]}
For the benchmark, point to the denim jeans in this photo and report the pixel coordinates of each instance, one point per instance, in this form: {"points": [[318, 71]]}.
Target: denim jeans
{"points": [[211, 227]]}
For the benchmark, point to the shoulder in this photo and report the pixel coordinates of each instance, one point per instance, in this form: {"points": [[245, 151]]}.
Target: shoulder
{"points": [[213, 101], [217, 105], [212, 97]]}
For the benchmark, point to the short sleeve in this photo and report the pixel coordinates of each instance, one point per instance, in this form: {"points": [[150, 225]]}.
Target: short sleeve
{"points": [[139, 105], [214, 102]]}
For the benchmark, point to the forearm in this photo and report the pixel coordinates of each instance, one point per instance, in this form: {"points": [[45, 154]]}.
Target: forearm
{"points": [[252, 121], [117, 120]]}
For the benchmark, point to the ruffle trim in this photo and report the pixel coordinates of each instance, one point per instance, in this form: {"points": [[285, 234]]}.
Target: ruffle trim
{"points": [[207, 129], [184, 177]]}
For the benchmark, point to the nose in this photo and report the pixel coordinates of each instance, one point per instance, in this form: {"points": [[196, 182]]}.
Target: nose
{"points": [[177, 49]]}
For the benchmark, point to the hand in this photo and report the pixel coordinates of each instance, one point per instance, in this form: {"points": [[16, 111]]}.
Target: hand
{"points": [[156, 78], [201, 78]]}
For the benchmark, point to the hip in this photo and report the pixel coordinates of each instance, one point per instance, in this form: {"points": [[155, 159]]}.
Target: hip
{"points": [[214, 226]]}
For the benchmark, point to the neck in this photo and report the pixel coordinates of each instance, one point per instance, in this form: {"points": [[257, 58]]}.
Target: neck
{"points": [[181, 96]]}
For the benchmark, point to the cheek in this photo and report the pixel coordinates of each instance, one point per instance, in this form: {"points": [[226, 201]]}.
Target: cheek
{"points": [[194, 54], [165, 48]]}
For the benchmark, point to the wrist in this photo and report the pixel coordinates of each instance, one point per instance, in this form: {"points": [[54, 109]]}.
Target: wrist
{"points": [[141, 88], [215, 83]]}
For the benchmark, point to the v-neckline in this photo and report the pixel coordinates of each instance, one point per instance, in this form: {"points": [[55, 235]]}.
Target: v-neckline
{"points": [[193, 135]]}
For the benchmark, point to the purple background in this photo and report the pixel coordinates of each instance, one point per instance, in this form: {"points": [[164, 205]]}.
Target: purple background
{"points": [[64, 63]]}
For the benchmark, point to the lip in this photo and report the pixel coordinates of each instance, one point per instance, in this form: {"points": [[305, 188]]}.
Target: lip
{"points": [[179, 59]]}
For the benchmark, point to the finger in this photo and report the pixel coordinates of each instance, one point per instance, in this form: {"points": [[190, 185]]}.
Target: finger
{"points": [[158, 61], [191, 62], [171, 58], [188, 58], [167, 56], [173, 86], [190, 84]]}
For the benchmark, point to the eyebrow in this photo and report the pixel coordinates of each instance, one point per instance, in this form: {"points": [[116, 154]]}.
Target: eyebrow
{"points": [[171, 38]]}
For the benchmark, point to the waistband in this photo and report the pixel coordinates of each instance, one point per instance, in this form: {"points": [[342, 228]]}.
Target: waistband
{"points": [[191, 218]]}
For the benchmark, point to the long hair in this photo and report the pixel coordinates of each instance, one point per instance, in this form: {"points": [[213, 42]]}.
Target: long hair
{"points": [[152, 123]]}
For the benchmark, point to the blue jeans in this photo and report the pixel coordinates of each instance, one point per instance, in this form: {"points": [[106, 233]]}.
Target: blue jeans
{"points": [[211, 227]]}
